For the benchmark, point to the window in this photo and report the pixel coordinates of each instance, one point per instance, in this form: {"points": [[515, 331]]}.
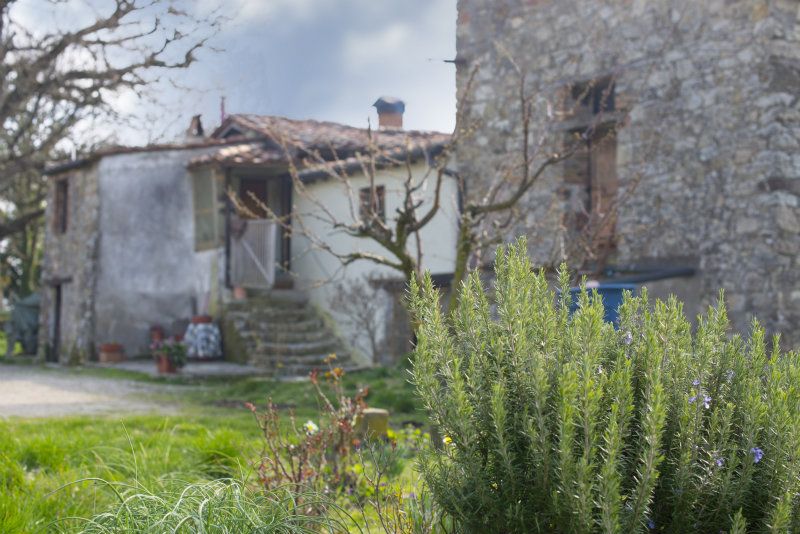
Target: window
{"points": [[372, 203], [61, 207], [207, 220], [591, 173]]}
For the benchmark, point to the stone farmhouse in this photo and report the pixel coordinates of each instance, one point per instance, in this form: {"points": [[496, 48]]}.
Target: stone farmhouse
{"points": [[698, 165], [148, 236]]}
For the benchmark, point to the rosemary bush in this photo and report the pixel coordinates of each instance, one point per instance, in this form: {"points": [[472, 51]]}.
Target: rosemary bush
{"points": [[559, 423]]}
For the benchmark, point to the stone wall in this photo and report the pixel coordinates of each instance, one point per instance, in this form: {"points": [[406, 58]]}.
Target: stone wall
{"points": [[149, 272], [707, 160], [127, 260], [70, 261]]}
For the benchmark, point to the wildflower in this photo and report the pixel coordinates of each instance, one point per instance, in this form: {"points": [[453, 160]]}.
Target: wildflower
{"points": [[447, 440], [311, 428], [250, 406], [757, 454], [628, 339]]}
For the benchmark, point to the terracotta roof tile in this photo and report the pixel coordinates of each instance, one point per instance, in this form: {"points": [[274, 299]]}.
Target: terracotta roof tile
{"points": [[311, 135]]}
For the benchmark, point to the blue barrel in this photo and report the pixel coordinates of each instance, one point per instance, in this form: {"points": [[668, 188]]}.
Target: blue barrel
{"points": [[611, 295]]}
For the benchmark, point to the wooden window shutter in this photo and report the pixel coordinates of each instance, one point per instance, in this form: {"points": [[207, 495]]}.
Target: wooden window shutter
{"points": [[206, 234], [61, 208]]}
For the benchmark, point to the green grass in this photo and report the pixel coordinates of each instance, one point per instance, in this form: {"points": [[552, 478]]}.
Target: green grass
{"points": [[4, 345], [212, 438]]}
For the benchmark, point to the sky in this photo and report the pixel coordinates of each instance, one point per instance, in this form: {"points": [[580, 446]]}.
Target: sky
{"points": [[317, 59], [304, 59]]}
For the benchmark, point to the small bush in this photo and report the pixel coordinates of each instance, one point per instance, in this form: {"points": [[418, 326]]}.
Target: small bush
{"points": [[559, 423]]}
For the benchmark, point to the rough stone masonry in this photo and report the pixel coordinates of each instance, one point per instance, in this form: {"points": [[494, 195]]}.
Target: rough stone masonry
{"points": [[707, 158]]}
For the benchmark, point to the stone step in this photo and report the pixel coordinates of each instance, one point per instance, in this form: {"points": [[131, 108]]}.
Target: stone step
{"points": [[259, 329], [278, 331], [285, 296], [271, 335], [268, 316], [324, 346], [265, 304]]}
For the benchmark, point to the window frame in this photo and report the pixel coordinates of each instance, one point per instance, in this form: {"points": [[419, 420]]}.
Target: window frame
{"points": [[369, 204], [61, 206]]}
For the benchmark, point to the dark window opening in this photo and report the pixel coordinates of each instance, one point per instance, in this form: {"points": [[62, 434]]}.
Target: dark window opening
{"points": [[598, 96], [590, 174], [372, 203], [61, 209]]}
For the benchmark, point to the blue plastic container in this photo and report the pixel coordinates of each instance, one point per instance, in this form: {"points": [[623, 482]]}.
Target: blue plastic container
{"points": [[611, 295]]}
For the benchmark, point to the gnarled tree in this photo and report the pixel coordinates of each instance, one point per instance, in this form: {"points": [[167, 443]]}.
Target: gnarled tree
{"points": [[56, 77]]}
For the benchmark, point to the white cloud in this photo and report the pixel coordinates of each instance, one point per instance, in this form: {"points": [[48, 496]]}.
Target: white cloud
{"points": [[246, 12], [402, 59], [361, 50]]}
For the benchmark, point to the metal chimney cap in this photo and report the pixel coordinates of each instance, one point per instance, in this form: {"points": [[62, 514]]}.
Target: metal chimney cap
{"points": [[390, 104]]}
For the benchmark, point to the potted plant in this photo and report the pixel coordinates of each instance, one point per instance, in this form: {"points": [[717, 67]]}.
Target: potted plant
{"points": [[110, 353], [170, 355], [156, 333]]}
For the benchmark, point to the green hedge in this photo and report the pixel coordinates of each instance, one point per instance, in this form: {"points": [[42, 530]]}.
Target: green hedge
{"points": [[559, 423]]}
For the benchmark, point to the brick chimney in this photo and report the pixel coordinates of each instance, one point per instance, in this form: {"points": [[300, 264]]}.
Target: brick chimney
{"points": [[195, 130], [390, 112]]}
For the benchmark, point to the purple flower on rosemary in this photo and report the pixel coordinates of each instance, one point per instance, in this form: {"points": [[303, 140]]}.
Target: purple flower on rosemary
{"points": [[696, 382], [758, 454], [651, 524], [720, 462], [706, 400], [628, 338], [730, 374]]}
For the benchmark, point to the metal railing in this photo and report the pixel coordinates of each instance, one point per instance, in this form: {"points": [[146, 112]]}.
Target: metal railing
{"points": [[253, 254]]}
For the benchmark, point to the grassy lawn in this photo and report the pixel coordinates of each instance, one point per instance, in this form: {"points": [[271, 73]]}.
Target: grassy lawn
{"points": [[212, 437]]}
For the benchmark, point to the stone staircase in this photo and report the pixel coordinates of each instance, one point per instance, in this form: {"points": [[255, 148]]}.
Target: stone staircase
{"points": [[280, 332]]}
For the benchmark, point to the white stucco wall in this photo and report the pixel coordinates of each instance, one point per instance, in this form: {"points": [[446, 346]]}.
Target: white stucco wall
{"points": [[148, 270], [321, 273]]}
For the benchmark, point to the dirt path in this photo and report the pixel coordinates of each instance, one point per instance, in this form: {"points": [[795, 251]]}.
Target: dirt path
{"points": [[29, 391]]}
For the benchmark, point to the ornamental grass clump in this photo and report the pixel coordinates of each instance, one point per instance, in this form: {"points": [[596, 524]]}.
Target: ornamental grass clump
{"points": [[559, 423]]}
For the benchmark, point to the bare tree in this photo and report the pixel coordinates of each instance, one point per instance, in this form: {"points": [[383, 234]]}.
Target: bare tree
{"points": [[55, 79], [484, 218]]}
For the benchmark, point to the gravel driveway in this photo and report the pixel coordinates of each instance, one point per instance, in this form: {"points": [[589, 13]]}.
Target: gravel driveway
{"points": [[29, 391]]}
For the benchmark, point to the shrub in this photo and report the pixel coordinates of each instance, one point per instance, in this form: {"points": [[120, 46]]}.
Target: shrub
{"points": [[559, 423], [312, 456]]}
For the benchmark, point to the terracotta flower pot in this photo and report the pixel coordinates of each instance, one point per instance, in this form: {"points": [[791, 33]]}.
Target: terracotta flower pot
{"points": [[165, 365], [111, 353], [202, 319], [239, 293]]}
